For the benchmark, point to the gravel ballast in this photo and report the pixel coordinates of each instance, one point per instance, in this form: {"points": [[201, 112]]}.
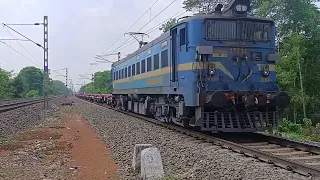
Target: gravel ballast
{"points": [[183, 157], [24, 118]]}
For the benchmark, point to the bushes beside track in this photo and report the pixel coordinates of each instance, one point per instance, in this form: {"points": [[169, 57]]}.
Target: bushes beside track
{"points": [[305, 131]]}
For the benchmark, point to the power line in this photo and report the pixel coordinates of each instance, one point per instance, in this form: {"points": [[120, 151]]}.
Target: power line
{"points": [[131, 25], [147, 23], [92, 67], [58, 73], [4, 59], [21, 44], [18, 52], [23, 35], [152, 29]]}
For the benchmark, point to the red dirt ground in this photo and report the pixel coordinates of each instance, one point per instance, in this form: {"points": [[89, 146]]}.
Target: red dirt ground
{"points": [[68, 150], [89, 153]]}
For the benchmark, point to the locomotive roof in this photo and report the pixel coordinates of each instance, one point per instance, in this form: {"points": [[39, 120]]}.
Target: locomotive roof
{"points": [[167, 34], [149, 45]]}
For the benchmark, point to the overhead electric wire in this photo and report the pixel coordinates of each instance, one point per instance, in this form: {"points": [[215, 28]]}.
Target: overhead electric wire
{"points": [[58, 73], [21, 45], [131, 25], [146, 24], [18, 52], [23, 35], [156, 27], [92, 67], [4, 60], [24, 47]]}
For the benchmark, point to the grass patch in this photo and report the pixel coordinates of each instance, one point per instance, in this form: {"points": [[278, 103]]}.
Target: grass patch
{"points": [[169, 178], [302, 132], [11, 145], [3, 174], [38, 134], [3, 138], [58, 147], [65, 109]]}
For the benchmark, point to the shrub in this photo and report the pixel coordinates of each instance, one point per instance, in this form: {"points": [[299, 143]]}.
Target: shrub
{"points": [[289, 127]]}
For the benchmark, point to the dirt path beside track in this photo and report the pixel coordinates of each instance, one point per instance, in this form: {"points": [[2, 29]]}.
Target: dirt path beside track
{"points": [[65, 149]]}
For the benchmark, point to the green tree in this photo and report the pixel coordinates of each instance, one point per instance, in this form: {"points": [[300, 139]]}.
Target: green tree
{"points": [[18, 85], [32, 94], [83, 88], [168, 25], [102, 83], [4, 85], [29, 78], [200, 6], [58, 88]]}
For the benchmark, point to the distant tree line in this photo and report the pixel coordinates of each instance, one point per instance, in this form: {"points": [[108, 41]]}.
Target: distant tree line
{"points": [[102, 84], [27, 84]]}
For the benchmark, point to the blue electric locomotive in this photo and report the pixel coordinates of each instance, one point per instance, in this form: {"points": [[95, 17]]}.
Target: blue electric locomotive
{"points": [[213, 72]]}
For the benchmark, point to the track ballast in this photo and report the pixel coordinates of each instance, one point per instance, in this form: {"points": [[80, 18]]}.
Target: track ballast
{"points": [[291, 155]]}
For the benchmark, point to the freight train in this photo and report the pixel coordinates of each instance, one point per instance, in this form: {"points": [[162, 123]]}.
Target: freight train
{"points": [[212, 72]]}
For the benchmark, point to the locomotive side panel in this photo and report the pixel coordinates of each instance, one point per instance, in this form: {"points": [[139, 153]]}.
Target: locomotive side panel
{"points": [[213, 72]]}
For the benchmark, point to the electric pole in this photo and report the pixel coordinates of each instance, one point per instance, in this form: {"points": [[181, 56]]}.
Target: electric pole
{"points": [[66, 77], [46, 62]]}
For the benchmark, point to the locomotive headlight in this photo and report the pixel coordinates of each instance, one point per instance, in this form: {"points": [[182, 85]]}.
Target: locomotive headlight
{"points": [[266, 70], [212, 69], [241, 8]]}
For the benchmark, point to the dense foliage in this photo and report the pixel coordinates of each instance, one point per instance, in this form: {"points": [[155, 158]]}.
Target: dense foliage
{"points": [[102, 84], [168, 25], [28, 84]]}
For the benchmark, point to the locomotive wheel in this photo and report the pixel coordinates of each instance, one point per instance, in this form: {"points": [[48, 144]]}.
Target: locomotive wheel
{"points": [[185, 122]]}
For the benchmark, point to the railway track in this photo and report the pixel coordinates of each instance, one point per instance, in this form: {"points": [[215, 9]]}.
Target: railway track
{"points": [[7, 105], [294, 156]]}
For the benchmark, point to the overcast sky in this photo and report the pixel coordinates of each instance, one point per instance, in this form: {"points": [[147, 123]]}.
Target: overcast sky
{"points": [[78, 29]]}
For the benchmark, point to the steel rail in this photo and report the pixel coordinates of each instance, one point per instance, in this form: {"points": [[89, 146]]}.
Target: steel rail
{"points": [[12, 106], [15, 105], [269, 158], [292, 143]]}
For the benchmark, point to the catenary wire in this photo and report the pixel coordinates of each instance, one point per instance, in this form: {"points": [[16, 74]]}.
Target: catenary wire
{"points": [[146, 24], [131, 26], [21, 45]]}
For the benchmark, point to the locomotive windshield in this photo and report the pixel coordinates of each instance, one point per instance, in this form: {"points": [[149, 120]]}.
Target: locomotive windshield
{"points": [[238, 30]]}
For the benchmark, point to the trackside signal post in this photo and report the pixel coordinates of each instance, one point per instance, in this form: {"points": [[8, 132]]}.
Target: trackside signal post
{"points": [[46, 63]]}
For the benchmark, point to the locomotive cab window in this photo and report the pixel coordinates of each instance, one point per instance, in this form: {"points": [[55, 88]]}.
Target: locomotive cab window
{"points": [[156, 61], [114, 75], [138, 67], [143, 66], [164, 58], [117, 75], [126, 72], [183, 39]]}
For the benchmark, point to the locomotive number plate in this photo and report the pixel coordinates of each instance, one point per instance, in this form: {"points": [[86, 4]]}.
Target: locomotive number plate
{"points": [[265, 79], [238, 51]]}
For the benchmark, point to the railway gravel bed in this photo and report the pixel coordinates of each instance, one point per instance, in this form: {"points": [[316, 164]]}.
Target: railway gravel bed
{"points": [[22, 119], [183, 157]]}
